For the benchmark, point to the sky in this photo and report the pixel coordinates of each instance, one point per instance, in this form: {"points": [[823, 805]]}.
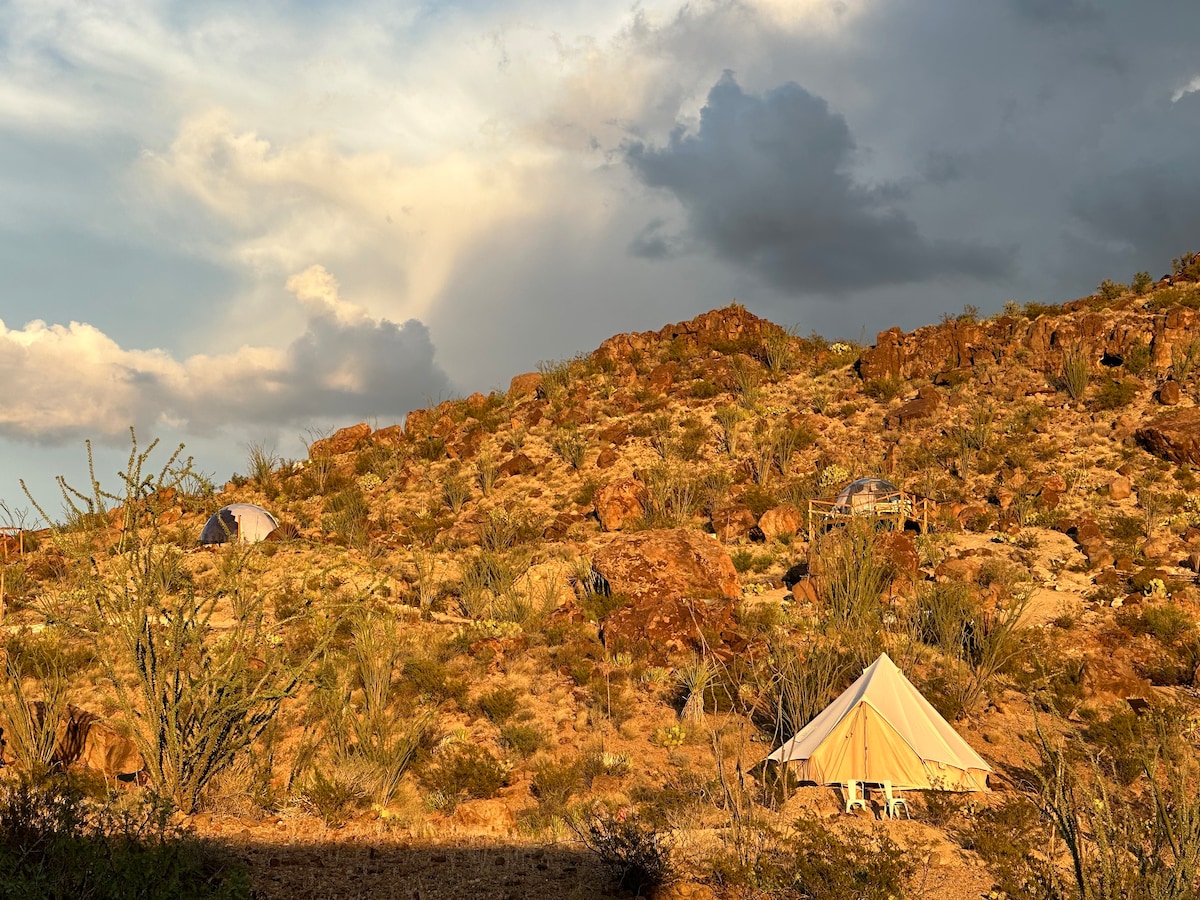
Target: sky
{"points": [[236, 223]]}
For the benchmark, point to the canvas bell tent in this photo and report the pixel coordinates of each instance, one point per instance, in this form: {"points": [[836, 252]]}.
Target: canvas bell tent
{"points": [[882, 730], [241, 522]]}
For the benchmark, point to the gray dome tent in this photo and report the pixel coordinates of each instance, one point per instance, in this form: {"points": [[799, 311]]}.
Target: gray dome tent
{"points": [[868, 496], [241, 522]]}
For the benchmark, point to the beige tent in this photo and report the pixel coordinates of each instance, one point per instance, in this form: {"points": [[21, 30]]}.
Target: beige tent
{"points": [[881, 729]]}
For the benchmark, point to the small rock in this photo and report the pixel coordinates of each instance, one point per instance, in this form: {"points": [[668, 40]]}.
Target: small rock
{"points": [[1120, 488], [1169, 393]]}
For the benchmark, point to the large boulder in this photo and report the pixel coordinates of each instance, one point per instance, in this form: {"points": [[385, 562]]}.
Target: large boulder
{"points": [[524, 385], [344, 440], [731, 523], [782, 521], [661, 629], [679, 584], [926, 404], [668, 563], [1173, 436], [620, 503]]}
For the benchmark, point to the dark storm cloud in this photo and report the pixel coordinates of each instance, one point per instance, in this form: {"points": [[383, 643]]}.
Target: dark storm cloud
{"points": [[369, 369], [765, 182]]}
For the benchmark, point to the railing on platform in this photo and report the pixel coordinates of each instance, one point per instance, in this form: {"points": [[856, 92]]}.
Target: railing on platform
{"points": [[898, 507]]}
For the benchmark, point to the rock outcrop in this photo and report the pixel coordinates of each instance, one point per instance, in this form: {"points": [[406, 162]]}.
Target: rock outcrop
{"points": [[620, 503], [1173, 436], [1040, 342], [344, 440]]}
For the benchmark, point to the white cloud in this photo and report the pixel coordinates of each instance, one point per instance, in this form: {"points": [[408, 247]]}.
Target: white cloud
{"points": [[64, 382], [1190, 88]]}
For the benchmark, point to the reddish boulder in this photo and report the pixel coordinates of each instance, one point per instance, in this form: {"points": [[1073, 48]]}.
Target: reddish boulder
{"points": [[785, 520], [919, 408], [731, 523], [345, 440], [900, 551], [524, 385], [1120, 488], [520, 464], [660, 629], [668, 563], [1169, 393], [1173, 436], [607, 458], [615, 434], [392, 436], [620, 503], [662, 377]]}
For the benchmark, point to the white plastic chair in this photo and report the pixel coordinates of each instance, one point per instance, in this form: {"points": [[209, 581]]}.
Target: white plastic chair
{"points": [[894, 802], [854, 797]]}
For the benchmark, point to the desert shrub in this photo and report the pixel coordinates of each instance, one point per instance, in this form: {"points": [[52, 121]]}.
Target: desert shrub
{"points": [[347, 516], [691, 440], [578, 660], [639, 859], [742, 559], [1142, 282], [262, 462], [430, 678], [556, 378], [611, 698], [30, 726], [555, 782], [1076, 373], [1005, 837], [1183, 359], [500, 530], [976, 644], [56, 843], [456, 491], [674, 496], [1186, 267], [37, 655], [499, 704], [365, 729], [1122, 735], [571, 445], [758, 499], [1114, 393], [854, 576], [1124, 843], [811, 860], [486, 471], [522, 738], [465, 771], [1138, 358], [430, 449], [1122, 527], [793, 684], [704, 389], [332, 797], [1110, 290], [778, 348], [727, 419], [883, 389], [747, 380]]}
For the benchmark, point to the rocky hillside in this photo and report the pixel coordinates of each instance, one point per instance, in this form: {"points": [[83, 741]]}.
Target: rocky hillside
{"points": [[577, 616]]}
